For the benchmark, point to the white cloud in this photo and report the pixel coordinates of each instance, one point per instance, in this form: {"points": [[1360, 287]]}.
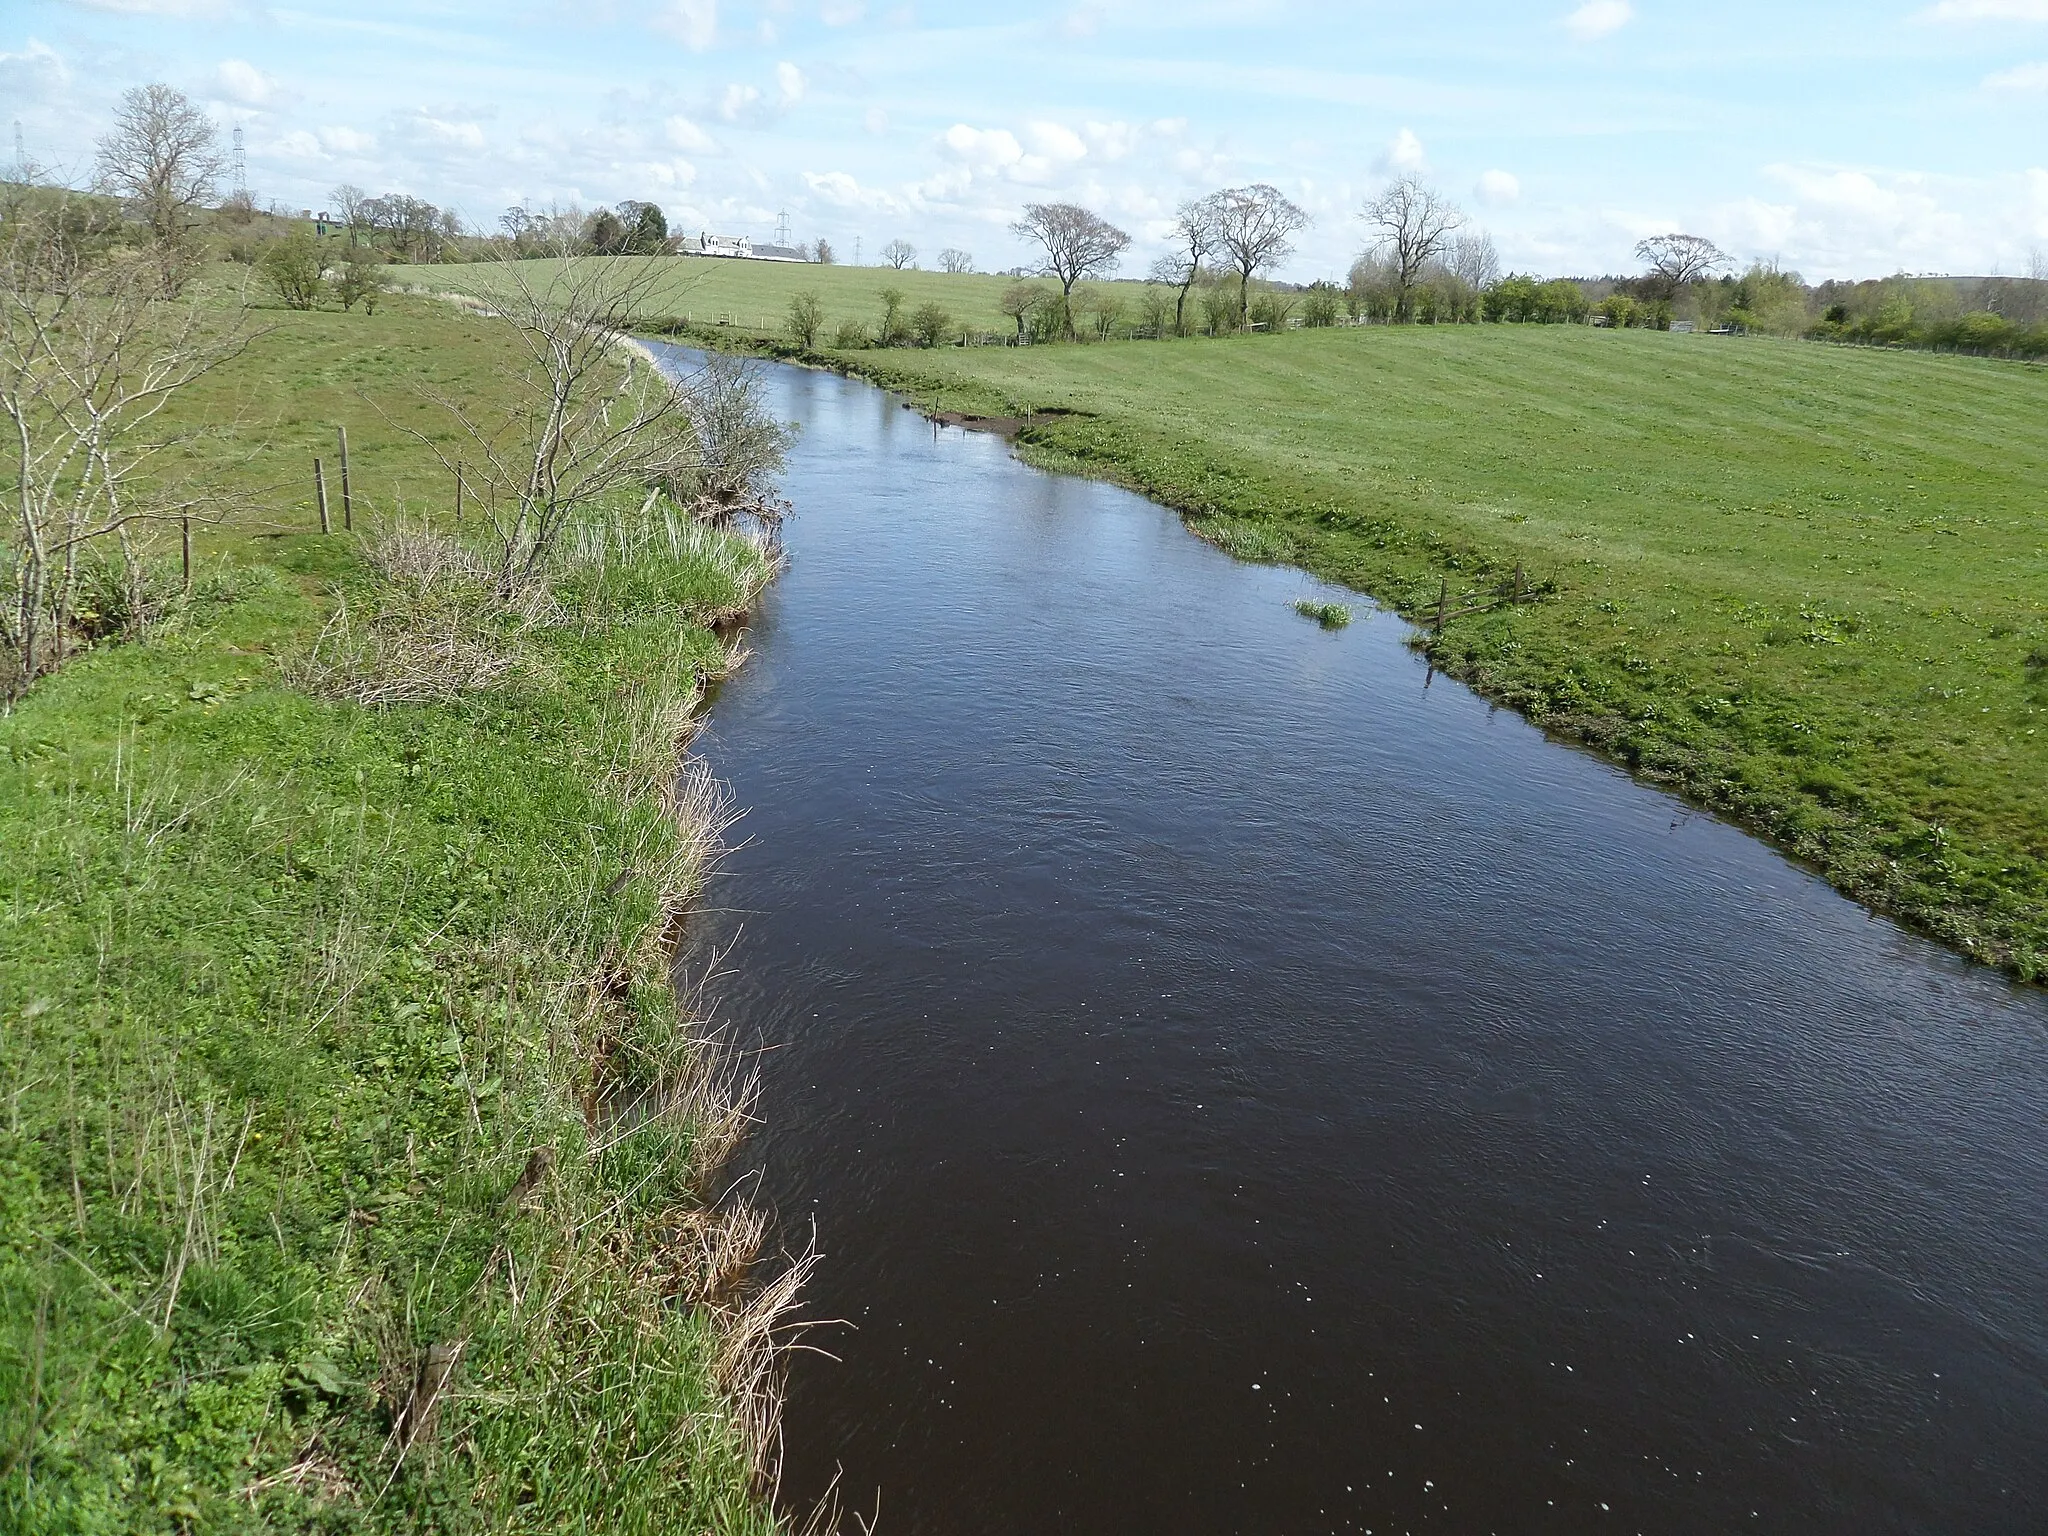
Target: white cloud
{"points": [[34, 72], [841, 13], [1082, 21], [1497, 188], [875, 120], [789, 82], [1987, 10], [432, 132], [982, 149], [671, 173], [1404, 155], [684, 134], [693, 23], [1057, 143], [1599, 18], [347, 141], [738, 101], [2026, 77], [298, 145], [240, 81], [841, 190]]}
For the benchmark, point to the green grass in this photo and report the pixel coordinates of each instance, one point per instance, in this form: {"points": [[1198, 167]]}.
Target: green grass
{"points": [[753, 296], [291, 993], [1329, 615], [1799, 584]]}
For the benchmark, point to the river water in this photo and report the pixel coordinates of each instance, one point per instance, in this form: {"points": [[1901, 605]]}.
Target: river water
{"points": [[1243, 1085]]}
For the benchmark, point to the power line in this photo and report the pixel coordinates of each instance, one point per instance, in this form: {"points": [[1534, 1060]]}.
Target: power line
{"points": [[20, 153], [782, 227], [856, 250], [241, 165]]}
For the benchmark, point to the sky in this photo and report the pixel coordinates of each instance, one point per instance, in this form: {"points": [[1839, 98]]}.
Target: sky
{"points": [[1839, 140]]}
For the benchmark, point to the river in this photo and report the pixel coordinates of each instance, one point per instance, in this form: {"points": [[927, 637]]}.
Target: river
{"points": [[1241, 1084]]}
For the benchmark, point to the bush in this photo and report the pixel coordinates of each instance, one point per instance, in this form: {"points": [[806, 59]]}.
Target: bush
{"points": [[930, 324], [292, 267], [806, 319], [1321, 305], [361, 280], [893, 331], [851, 335]]}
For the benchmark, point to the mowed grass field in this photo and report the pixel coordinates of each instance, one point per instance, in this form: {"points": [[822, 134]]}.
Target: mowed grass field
{"points": [[1806, 585], [753, 296]]}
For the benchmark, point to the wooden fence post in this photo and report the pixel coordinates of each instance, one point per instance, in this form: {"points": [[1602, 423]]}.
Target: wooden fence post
{"points": [[185, 536], [458, 496], [1443, 595], [348, 506], [320, 493]]}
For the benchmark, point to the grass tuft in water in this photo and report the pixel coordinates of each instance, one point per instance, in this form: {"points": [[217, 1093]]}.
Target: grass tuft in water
{"points": [[1329, 615]]}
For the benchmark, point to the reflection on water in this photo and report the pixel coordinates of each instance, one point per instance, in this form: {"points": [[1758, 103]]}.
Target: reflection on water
{"points": [[1240, 1090]]}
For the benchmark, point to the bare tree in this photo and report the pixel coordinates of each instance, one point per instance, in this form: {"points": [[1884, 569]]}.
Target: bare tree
{"points": [[1414, 222], [1255, 228], [2037, 264], [1473, 261], [899, 254], [348, 200], [1020, 301], [590, 415], [953, 259], [1077, 244], [1194, 241], [91, 352], [1677, 261], [162, 158]]}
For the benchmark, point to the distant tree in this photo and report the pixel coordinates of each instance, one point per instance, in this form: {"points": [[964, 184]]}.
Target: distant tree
{"points": [[821, 253], [292, 267], [806, 319], [1678, 261], [1020, 301], [1414, 221], [899, 254], [1321, 305], [348, 200], [360, 280], [1472, 260], [162, 158], [930, 325], [893, 331], [646, 227], [1255, 229], [1104, 307], [417, 230], [1194, 241], [1155, 310], [605, 232], [1077, 244], [953, 259]]}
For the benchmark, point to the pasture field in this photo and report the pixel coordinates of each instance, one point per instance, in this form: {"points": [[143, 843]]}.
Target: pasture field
{"points": [[1805, 586], [753, 297], [310, 1218]]}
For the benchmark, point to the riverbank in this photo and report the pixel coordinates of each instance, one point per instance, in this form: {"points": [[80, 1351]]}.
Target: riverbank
{"points": [[359, 1164], [1796, 585]]}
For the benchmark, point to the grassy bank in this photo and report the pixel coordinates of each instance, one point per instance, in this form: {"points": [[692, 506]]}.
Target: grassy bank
{"points": [[357, 1166], [1803, 586]]}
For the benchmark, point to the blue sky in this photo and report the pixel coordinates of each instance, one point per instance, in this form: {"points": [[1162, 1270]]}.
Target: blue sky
{"points": [[1839, 139]]}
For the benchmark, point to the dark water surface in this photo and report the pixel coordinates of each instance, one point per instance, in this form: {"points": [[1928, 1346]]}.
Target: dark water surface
{"points": [[1242, 1089]]}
